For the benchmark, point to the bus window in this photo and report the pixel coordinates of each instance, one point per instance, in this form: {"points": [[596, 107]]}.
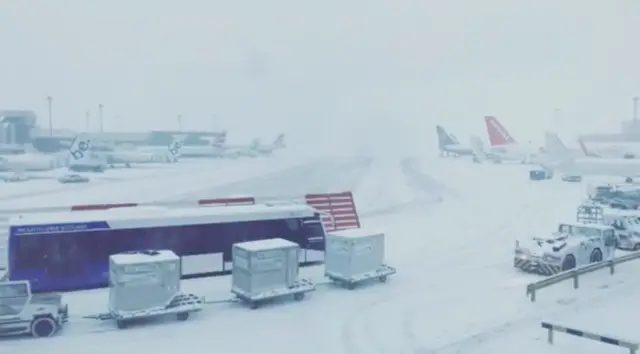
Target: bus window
{"points": [[28, 252], [293, 224]]}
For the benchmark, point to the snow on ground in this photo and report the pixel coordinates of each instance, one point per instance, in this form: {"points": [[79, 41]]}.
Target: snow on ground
{"points": [[455, 291], [151, 186], [320, 175]]}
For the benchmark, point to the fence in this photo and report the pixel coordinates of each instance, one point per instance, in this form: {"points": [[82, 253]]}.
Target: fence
{"points": [[633, 347], [575, 273]]}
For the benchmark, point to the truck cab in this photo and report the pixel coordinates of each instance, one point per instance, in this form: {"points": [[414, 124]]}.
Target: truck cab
{"points": [[627, 226], [22, 312]]}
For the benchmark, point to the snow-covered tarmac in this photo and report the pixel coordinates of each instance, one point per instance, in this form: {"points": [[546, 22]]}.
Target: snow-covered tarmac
{"points": [[450, 229]]}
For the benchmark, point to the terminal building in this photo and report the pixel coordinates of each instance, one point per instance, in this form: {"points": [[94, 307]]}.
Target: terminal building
{"points": [[19, 132]]}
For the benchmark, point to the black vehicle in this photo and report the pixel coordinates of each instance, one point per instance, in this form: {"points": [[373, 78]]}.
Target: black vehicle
{"points": [[617, 196]]}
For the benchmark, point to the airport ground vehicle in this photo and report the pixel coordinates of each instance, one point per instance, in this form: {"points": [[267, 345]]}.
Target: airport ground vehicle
{"points": [[570, 178], [73, 178], [541, 174], [21, 312], [17, 177], [620, 196], [627, 226], [70, 250], [574, 244]]}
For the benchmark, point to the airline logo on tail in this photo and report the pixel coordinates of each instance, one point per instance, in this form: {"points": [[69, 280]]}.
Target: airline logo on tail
{"points": [[80, 148], [175, 148], [498, 135]]}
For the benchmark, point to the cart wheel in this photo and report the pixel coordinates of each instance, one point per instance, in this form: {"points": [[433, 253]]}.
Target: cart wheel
{"points": [[298, 296], [383, 279], [351, 285], [121, 324], [43, 327], [183, 316]]}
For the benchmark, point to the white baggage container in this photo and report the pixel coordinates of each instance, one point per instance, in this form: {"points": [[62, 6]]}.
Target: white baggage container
{"points": [[353, 252], [263, 266], [143, 280], [355, 255]]}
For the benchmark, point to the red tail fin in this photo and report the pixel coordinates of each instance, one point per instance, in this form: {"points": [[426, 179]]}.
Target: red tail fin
{"points": [[498, 135]]}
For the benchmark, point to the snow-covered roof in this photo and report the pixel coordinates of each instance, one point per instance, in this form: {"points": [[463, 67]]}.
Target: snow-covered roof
{"points": [[589, 225], [355, 233], [144, 257], [264, 245], [143, 217]]}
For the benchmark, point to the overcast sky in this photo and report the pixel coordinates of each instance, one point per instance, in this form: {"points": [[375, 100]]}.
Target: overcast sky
{"points": [[327, 66]]}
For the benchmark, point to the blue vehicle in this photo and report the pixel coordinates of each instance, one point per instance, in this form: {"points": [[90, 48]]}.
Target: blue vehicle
{"points": [[70, 251]]}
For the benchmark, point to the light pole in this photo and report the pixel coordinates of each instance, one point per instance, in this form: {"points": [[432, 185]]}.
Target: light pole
{"points": [[49, 105], [100, 109], [87, 120]]}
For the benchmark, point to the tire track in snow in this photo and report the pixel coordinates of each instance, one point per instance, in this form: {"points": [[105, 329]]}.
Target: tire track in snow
{"points": [[322, 176], [499, 265], [419, 189], [308, 178], [527, 212]]}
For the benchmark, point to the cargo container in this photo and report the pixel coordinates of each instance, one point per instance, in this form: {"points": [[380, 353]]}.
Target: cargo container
{"points": [[267, 269], [356, 255]]}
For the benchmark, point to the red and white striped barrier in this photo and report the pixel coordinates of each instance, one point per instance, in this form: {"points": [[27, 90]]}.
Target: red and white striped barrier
{"points": [[338, 209]]}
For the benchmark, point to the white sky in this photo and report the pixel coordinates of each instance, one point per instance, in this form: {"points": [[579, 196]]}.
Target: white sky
{"points": [[325, 66]]}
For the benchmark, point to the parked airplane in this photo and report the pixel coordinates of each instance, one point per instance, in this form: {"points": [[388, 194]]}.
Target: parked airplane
{"points": [[82, 159], [126, 157], [450, 146], [265, 150], [505, 148], [614, 151], [30, 162], [565, 161], [216, 149]]}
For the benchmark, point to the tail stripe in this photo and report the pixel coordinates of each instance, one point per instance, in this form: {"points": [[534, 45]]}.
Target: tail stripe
{"points": [[498, 134]]}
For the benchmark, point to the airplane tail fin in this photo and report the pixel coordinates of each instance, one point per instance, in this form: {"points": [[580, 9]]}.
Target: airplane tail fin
{"points": [[79, 149], [219, 141], [556, 149], [279, 142], [478, 148], [443, 138], [498, 134], [585, 150]]}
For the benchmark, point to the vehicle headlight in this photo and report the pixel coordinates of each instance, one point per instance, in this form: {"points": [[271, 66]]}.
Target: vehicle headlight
{"points": [[551, 258]]}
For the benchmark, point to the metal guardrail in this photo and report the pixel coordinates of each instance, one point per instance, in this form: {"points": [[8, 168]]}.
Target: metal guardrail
{"points": [[632, 346], [575, 273]]}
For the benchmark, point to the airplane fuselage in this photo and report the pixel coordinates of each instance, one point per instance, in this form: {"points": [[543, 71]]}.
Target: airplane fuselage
{"points": [[456, 150], [601, 167]]}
